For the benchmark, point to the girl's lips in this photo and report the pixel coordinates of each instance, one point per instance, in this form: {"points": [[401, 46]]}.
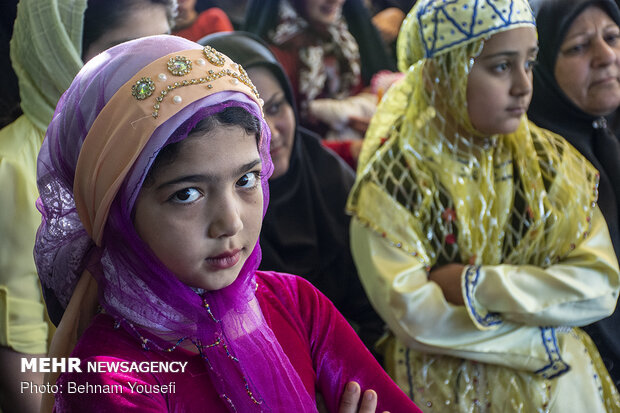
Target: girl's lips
{"points": [[516, 111], [224, 261]]}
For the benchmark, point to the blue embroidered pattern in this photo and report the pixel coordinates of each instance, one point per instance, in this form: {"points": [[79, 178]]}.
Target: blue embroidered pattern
{"points": [[447, 23], [471, 280], [556, 366]]}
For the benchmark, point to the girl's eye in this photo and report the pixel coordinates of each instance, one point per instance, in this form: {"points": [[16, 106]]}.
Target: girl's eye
{"points": [[501, 67], [185, 196], [249, 180], [529, 65]]}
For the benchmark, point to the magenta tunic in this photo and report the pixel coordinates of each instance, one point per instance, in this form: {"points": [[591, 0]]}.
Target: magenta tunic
{"points": [[319, 342]]}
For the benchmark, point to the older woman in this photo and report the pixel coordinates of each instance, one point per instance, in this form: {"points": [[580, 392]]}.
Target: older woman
{"points": [[576, 84]]}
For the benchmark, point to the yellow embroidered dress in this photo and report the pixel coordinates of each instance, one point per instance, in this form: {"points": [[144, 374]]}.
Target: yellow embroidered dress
{"points": [[519, 210]]}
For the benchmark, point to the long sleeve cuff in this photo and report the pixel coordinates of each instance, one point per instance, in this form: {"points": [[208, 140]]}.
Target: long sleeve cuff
{"points": [[480, 316]]}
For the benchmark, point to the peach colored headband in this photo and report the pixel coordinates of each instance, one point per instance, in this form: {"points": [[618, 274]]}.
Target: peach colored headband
{"points": [[131, 116]]}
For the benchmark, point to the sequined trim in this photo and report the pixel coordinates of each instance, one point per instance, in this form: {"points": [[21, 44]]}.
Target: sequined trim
{"points": [[483, 319], [211, 76], [213, 56], [444, 25], [179, 65], [556, 366]]}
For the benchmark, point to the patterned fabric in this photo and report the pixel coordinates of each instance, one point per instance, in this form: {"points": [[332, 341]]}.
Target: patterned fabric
{"points": [[472, 199], [314, 80], [453, 23]]}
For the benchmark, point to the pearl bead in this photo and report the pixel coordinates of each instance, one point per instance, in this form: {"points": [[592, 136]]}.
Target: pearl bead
{"points": [[201, 62], [177, 99], [162, 77]]}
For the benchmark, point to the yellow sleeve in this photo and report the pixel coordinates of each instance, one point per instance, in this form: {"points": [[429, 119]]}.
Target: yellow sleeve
{"points": [[416, 311], [22, 312], [577, 291]]}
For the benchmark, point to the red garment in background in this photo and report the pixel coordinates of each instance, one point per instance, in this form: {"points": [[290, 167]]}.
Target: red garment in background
{"points": [[212, 20]]}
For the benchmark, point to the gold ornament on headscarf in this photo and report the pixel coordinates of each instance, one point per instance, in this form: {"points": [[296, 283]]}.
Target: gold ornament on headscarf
{"points": [[441, 191], [180, 66]]}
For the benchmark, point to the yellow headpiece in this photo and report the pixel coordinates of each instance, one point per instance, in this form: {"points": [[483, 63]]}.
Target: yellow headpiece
{"points": [[434, 27]]}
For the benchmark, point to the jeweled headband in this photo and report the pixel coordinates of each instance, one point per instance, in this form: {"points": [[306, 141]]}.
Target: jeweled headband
{"points": [[122, 129]]}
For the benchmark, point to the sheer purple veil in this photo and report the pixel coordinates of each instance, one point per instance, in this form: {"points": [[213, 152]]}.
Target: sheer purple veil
{"points": [[247, 365]]}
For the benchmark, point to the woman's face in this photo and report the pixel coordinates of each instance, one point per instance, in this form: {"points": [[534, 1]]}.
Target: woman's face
{"points": [[139, 21], [202, 213], [323, 12], [587, 68], [499, 86], [186, 13], [279, 116]]}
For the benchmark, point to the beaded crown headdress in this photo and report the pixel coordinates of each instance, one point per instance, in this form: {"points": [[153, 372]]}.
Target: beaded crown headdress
{"points": [[446, 24]]}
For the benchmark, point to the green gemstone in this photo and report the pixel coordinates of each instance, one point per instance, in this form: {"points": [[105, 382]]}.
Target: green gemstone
{"points": [[179, 65], [143, 88]]}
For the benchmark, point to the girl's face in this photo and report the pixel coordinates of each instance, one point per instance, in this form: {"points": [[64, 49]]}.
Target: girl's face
{"points": [[279, 116], [588, 65], [499, 87], [202, 213], [323, 12]]}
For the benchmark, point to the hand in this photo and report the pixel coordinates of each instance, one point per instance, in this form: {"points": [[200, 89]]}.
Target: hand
{"points": [[448, 277], [355, 149], [359, 124], [388, 22], [350, 400]]}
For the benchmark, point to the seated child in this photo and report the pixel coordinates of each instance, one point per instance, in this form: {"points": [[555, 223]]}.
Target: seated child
{"points": [[153, 178], [476, 234]]}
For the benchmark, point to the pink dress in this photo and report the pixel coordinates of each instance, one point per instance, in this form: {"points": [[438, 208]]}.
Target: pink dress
{"points": [[321, 345]]}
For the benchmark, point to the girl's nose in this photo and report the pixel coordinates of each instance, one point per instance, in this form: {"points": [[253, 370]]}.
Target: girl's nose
{"points": [[522, 82], [226, 218]]}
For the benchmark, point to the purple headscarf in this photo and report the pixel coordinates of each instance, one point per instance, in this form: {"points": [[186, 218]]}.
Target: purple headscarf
{"points": [[247, 364]]}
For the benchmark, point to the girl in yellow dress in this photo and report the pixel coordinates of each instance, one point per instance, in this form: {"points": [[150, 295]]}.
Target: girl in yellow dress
{"points": [[476, 234]]}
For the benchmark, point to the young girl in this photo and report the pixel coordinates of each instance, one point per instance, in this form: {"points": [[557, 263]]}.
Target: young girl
{"points": [[477, 234], [153, 178]]}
